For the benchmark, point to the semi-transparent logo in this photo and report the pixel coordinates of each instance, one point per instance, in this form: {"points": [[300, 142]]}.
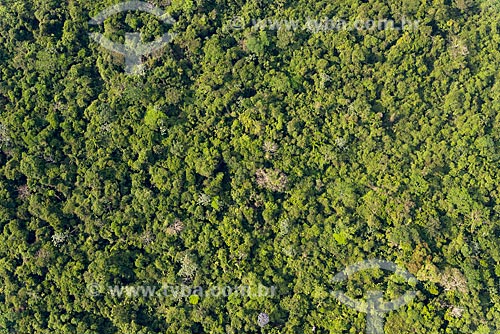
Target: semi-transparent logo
{"points": [[374, 306], [133, 49]]}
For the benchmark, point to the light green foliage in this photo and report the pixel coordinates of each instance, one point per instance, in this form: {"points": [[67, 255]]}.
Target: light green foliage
{"points": [[249, 156]]}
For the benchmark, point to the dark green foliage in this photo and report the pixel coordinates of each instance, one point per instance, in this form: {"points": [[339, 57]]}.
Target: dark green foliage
{"points": [[249, 156]]}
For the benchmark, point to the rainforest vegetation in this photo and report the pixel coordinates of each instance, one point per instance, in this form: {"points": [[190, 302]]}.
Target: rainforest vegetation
{"points": [[247, 154]]}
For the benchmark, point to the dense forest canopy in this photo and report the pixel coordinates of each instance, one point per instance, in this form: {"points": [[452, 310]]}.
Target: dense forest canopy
{"points": [[249, 152]]}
